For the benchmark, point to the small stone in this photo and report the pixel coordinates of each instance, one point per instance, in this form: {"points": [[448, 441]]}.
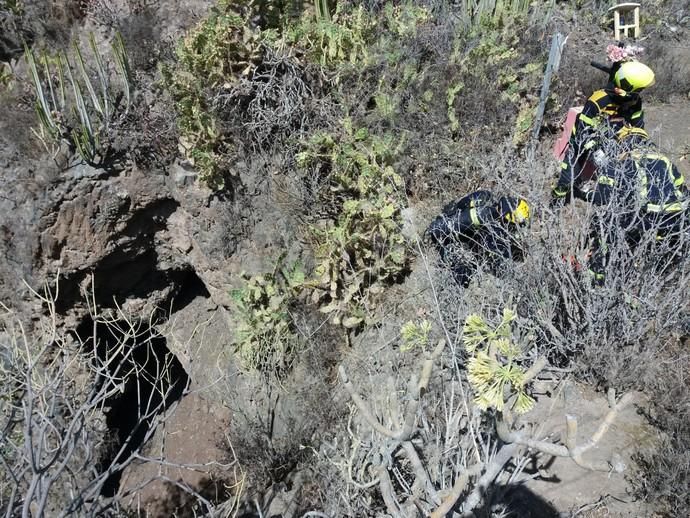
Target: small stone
{"points": [[184, 178], [617, 463]]}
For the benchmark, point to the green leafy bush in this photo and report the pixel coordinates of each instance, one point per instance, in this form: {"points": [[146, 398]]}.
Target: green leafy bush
{"points": [[236, 84], [344, 37], [222, 48], [219, 61], [488, 59], [354, 35], [359, 249]]}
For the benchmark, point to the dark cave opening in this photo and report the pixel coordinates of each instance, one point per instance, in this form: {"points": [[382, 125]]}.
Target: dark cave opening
{"points": [[151, 380], [190, 287]]}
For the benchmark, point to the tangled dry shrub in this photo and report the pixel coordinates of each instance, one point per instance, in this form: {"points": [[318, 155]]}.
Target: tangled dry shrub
{"points": [[623, 334], [417, 439], [267, 105], [147, 133], [64, 438], [610, 334], [53, 428], [278, 424], [142, 30], [668, 469], [47, 23]]}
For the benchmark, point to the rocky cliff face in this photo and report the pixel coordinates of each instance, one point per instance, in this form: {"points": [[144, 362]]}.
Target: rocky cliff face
{"points": [[139, 233]]}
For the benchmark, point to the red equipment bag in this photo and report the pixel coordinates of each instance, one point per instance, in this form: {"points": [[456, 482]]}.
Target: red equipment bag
{"points": [[561, 146]]}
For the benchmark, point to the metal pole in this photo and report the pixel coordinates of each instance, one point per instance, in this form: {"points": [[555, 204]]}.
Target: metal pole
{"points": [[557, 44]]}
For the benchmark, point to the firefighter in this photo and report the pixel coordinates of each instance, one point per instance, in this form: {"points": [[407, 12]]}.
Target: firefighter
{"points": [[484, 225], [606, 111], [640, 192]]}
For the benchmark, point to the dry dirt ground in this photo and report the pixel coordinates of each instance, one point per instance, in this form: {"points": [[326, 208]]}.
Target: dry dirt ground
{"points": [[569, 487], [669, 126]]}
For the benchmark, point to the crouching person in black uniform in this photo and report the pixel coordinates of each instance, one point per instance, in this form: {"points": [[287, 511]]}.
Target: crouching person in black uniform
{"points": [[483, 224], [640, 192]]}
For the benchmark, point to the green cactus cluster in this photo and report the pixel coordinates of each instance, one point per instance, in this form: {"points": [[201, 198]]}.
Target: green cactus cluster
{"points": [[265, 337], [220, 50], [78, 105], [361, 249], [329, 40]]}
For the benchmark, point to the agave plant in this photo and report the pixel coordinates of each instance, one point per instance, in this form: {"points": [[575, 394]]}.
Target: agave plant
{"points": [[415, 335]]}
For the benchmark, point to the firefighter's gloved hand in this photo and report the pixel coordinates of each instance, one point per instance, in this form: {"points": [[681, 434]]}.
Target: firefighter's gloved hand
{"points": [[599, 158]]}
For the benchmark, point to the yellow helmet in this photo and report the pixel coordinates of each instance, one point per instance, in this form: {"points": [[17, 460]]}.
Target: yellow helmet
{"points": [[514, 210], [633, 76]]}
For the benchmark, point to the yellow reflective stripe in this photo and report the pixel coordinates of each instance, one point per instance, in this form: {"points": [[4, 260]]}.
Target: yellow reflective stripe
{"points": [[673, 207], [557, 191], [597, 95], [667, 207], [564, 165], [676, 206], [636, 115], [606, 180], [588, 120], [474, 217], [677, 182]]}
